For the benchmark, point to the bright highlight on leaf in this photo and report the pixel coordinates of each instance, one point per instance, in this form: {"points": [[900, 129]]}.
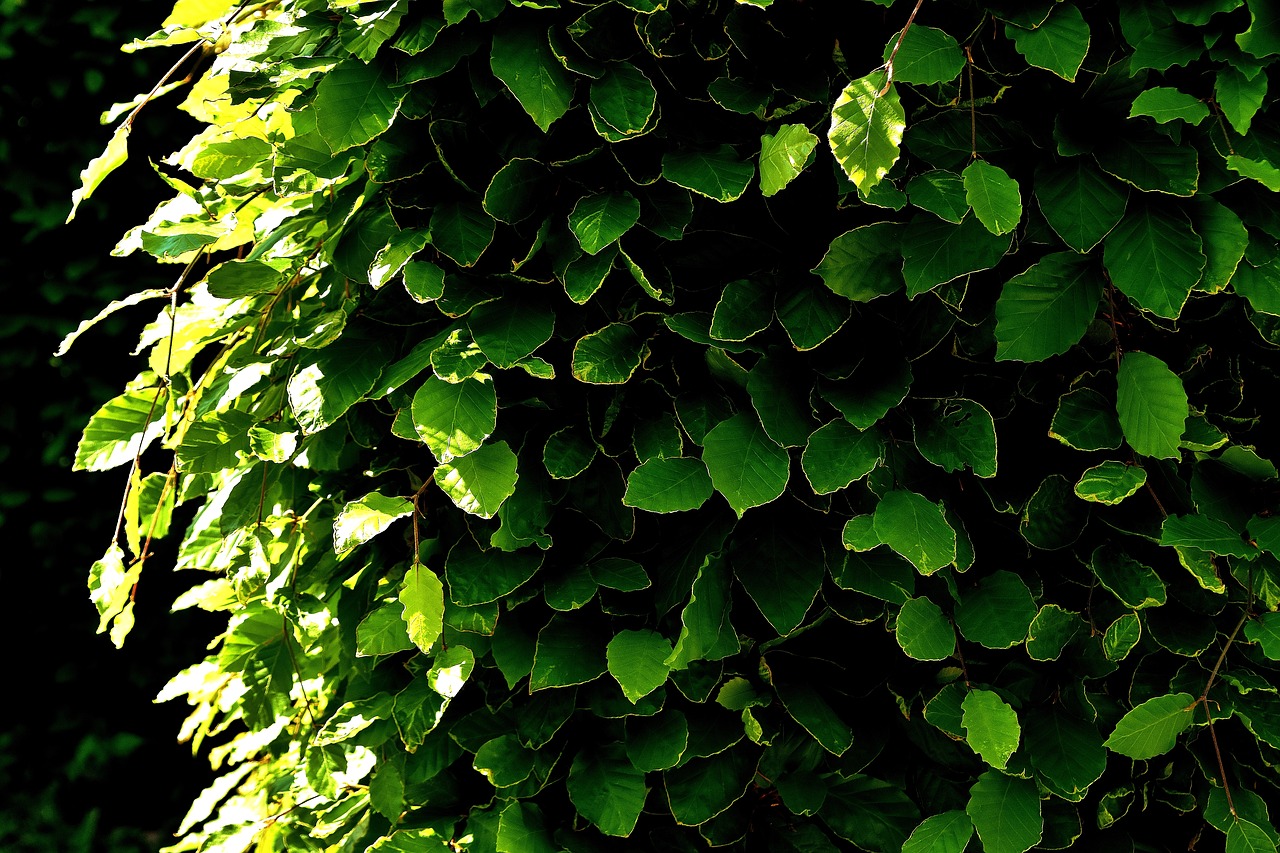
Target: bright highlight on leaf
{"points": [[866, 130]]}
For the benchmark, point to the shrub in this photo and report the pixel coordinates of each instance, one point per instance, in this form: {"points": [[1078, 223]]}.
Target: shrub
{"points": [[778, 425]]}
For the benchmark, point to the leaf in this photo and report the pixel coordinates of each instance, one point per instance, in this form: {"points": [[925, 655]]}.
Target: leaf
{"points": [[864, 263], [606, 789], [914, 526], [461, 231], [1247, 837], [121, 429], [422, 595], [782, 571], [702, 788], [955, 434], [742, 310], [1110, 482], [608, 356], [993, 195], [923, 631], [1152, 728], [947, 832], [839, 453], [112, 158], [515, 191], [1151, 405], [1080, 203], [866, 130], [1121, 636], [924, 56], [1059, 44], [1046, 310], [940, 192], [1066, 752], [936, 252], [1265, 631], [996, 614], [454, 418], [871, 391], [624, 98], [383, 632], [523, 829], [522, 59], [1050, 631], [568, 652], [1166, 104], [479, 482], [811, 315], [361, 520], [783, 156], [673, 484], [1261, 171], [599, 220], [636, 662], [1134, 583], [870, 813], [1240, 96], [1207, 534], [1005, 812], [356, 102], [746, 466], [510, 330], [990, 727], [717, 174], [657, 742], [328, 382], [1086, 420], [1155, 258]]}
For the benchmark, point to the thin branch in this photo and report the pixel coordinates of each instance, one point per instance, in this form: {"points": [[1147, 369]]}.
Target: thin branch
{"points": [[888, 65]]}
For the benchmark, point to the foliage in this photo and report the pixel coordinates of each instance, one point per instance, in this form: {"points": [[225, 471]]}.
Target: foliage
{"points": [[561, 482]]}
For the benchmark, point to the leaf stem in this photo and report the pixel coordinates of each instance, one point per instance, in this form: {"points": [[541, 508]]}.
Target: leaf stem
{"points": [[888, 65]]}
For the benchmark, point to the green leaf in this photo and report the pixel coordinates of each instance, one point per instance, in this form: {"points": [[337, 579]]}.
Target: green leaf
{"points": [[702, 788], [1247, 805], [1153, 163], [717, 174], [515, 191], [838, 453], [742, 310], [811, 315], [586, 274], [706, 633], [624, 98], [124, 427], [361, 520], [782, 571], [1155, 258], [955, 434], [1225, 242], [1165, 104], [522, 59], [874, 388], [1207, 534], [1151, 405], [924, 56], [116, 153], [1152, 728], [461, 231], [383, 632], [936, 252], [870, 813], [657, 742], [479, 482], [864, 263], [1265, 631], [523, 829], [1261, 171], [947, 832], [996, 614], [606, 789], [1050, 631], [923, 630], [866, 130], [746, 466], [567, 453], [1260, 39], [1005, 812], [599, 220], [454, 418], [1059, 44], [1086, 420], [783, 156], [1247, 837], [1134, 583], [328, 382], [509, 330], [1240, 96], [636, 660], [914, 526], [1046, 310], [1066, 752], [568, 652], [1121, 636], [990, 727], [1052, 518], [356, 102], [672, 484], [608, 356], [993, 195], [940, 192], [423, 280], [1110, 482], [422, 595], [1080, 203], [814, 714]]}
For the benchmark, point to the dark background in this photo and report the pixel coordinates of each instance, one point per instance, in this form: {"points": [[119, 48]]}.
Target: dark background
{"points": [[87, 761]]}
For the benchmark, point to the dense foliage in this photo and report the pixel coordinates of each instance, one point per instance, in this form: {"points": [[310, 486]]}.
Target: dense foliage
{"points": [[774, 425]]}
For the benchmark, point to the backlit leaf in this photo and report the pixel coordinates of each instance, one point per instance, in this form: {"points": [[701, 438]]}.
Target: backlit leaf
{"points": [[1151, 405], [866, 130], [1152, 728]]}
